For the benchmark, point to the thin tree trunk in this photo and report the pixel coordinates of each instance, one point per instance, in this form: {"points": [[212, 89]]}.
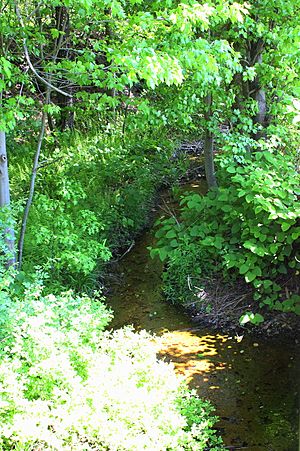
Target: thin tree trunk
{"points": [[66, 119], [8, 232], [62, 19], [260, 97], [258, 93], [209, 148], [32, 185]]}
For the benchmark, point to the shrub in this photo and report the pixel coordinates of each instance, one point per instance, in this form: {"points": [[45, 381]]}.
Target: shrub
{"points": [[92, 197], [68, 385], [249, 227]]}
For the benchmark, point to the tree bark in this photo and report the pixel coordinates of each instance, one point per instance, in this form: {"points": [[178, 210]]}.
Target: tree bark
{"points": [[258, 93], [8, 232], [209, 147], [260, 97], [67, 117]]}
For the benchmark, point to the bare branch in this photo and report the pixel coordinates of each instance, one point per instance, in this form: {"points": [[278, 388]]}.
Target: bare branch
{"points": [[45, 82]]}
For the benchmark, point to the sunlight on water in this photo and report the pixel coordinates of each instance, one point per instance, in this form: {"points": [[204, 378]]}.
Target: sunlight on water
{"points": [[192, 354], [252, 383]]}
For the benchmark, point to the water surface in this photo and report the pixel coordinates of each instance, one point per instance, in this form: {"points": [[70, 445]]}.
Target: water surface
{"points": [[254, 384]]}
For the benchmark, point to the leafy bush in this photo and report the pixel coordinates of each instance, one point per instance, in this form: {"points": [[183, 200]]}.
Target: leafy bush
{"points": [[92, 196], [68, 385], [248, 227]]}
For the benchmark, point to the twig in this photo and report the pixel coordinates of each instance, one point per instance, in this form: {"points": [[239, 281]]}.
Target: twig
{"points": [[128, 250], [168, 210], [123, 255], [45, 82], [47, 163]]}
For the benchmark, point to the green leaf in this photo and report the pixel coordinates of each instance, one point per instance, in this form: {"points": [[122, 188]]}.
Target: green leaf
{"points": [[296, 234], [254, 318], [153, 253], [218, 242], [244, 319], [250, 276], [208, 241], [267, 283], [273, 248], [257, 319], [223, 196], [269, 157], [171, 234], [235, 228], [285, 226], [244, 268], [196, 231], [174, 243], [163, 253], [231, 169]]}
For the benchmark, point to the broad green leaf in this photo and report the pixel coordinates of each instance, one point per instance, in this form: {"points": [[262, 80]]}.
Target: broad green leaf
{"points": [[244, 268]]}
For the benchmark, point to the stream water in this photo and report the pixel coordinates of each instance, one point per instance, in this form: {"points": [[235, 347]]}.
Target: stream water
{"points": [[253, 384]]}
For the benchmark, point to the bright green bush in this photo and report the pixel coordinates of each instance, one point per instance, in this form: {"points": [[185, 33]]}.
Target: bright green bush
{"points": [[248, 227], [68, 385], [92, 197]]}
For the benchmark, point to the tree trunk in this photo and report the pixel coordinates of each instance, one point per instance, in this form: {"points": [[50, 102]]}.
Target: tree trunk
{"points": [[32, 186], [257, 91], [62, 19], [260, 97], [209, 147], [8, 232], [67, 117]]}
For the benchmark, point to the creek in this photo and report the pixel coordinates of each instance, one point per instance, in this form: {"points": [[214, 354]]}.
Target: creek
{"points": [[253, 383]]}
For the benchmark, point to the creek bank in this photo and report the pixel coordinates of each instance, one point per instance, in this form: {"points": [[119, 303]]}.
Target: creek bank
{"points": [[219, 305], [252, 383]]}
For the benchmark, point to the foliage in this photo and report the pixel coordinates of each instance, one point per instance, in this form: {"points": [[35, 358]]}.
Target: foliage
{"points": [[248, 227], [93, 196], [6, 225], [118, 47], [135, 68], [133, 76], [66, 384]]}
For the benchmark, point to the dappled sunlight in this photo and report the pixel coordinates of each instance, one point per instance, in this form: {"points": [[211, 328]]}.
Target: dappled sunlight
{"points": [[241, 376], [192, 354]]}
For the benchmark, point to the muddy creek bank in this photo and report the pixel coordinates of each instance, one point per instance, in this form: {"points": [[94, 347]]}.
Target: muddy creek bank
{"points": [[254, 384]]}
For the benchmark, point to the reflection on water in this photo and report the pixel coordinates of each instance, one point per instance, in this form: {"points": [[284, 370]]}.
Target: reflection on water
{"points": [[253, 384]]}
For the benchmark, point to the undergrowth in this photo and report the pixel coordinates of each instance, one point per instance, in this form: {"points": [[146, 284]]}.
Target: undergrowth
{"points": [[92, 196], [66, 384], [249, 227]]}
